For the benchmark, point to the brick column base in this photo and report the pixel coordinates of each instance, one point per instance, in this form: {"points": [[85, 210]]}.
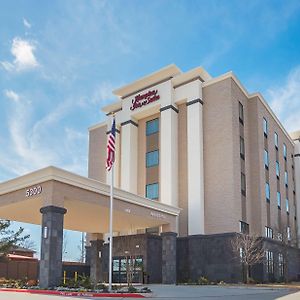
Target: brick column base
{"points": [[96, 253], [51, 246]]}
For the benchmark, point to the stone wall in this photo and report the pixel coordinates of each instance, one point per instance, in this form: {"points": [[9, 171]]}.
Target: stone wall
{"points": [[210, 256]]}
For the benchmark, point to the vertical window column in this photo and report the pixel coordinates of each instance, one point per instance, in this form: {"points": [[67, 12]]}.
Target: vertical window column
{"points": [[267, 172], [297, 181], [152, 159], [243, 165]]}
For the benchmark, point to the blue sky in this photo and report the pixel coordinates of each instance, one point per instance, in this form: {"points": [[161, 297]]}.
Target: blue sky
{"points": [[59, 61]]}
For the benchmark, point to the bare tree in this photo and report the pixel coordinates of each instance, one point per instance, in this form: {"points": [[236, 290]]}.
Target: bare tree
{"points": [[29, 244], [249, 249], [286, 240]]}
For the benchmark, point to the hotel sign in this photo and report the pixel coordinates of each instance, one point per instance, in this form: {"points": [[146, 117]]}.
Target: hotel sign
{"points": [[144, 99]]}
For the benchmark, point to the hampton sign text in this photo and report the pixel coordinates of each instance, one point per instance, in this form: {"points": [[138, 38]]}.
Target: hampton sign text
{"points": [[144, 99]]}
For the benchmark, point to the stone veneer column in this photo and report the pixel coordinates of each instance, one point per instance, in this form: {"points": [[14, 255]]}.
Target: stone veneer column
{"points": [[169, 155], [96, 268], [51, 246], [297, 184], [195, 167], [169, 257], [129, 141]]}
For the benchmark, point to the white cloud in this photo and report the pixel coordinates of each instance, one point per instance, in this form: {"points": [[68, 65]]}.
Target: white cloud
{"points": [[26, 23], [103, 93], [285, 100], [33, 144], [23, 51], [10, 94]]}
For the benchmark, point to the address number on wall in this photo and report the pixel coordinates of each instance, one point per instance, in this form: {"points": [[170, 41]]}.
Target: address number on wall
{"points": [[36, 190]]}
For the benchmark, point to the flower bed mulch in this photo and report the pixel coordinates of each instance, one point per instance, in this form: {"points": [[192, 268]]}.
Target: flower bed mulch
{"points": [[76, 294]]}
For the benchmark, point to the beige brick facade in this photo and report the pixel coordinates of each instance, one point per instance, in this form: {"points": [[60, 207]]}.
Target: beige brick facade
{"points": [[224, 203]]}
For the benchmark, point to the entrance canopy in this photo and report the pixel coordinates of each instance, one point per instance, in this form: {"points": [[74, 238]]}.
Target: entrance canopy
{"points": [[86, 201]]}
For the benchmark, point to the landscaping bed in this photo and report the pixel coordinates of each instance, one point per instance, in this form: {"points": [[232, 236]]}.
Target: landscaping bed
{"points": [[80, 288]]}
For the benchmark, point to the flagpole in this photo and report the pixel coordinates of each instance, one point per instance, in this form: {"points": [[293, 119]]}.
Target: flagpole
{"points": [[111, 226]]}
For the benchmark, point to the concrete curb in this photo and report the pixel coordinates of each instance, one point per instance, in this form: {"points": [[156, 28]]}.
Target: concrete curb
{"points": [[76, 294]]}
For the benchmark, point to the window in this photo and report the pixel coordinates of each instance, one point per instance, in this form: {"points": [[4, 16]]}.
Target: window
{"points": [[267, 191], [268, 232], [277, 169], [284, 151], [242, 148], [286, 178], [276, 140], [243, 184], [244, 227], [241, 113], [265, 125], [270, 262], [152, 127], [287, 205], [280, 265], [278, 199], [242, 254], [152, 158], [288, 231], [152, 191], [266, 159]]}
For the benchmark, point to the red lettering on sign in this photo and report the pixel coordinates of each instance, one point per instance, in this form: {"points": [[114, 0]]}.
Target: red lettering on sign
{"points": [[144, 99]]}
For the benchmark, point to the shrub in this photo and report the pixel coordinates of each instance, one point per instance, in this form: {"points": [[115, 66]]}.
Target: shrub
{"points": [[132, 289], [203, 281]]}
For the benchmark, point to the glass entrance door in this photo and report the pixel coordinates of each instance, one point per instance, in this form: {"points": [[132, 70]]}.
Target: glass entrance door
{"points": [[122, 267]]}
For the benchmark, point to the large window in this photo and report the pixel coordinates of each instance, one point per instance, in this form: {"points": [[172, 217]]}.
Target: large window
{"points": [[276, 140], [280, 265], [152, 126], [242, 148], [287, 207], [121, 265], [284, 151], [266, 159], [152, 191], [289, 234], [268, 232], [286, 178], [267, 191], [278, 199], [277, 169], [243, 184], [152, 158], [241, 113], [270, 262], [265, 126], [244, 227]]}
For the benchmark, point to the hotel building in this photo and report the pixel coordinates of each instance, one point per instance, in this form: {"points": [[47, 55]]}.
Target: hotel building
{"points": [[206, 146], [198, 160]]}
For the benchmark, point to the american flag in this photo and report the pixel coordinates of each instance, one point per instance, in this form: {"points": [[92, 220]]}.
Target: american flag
{"points": [[111, 143]]}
